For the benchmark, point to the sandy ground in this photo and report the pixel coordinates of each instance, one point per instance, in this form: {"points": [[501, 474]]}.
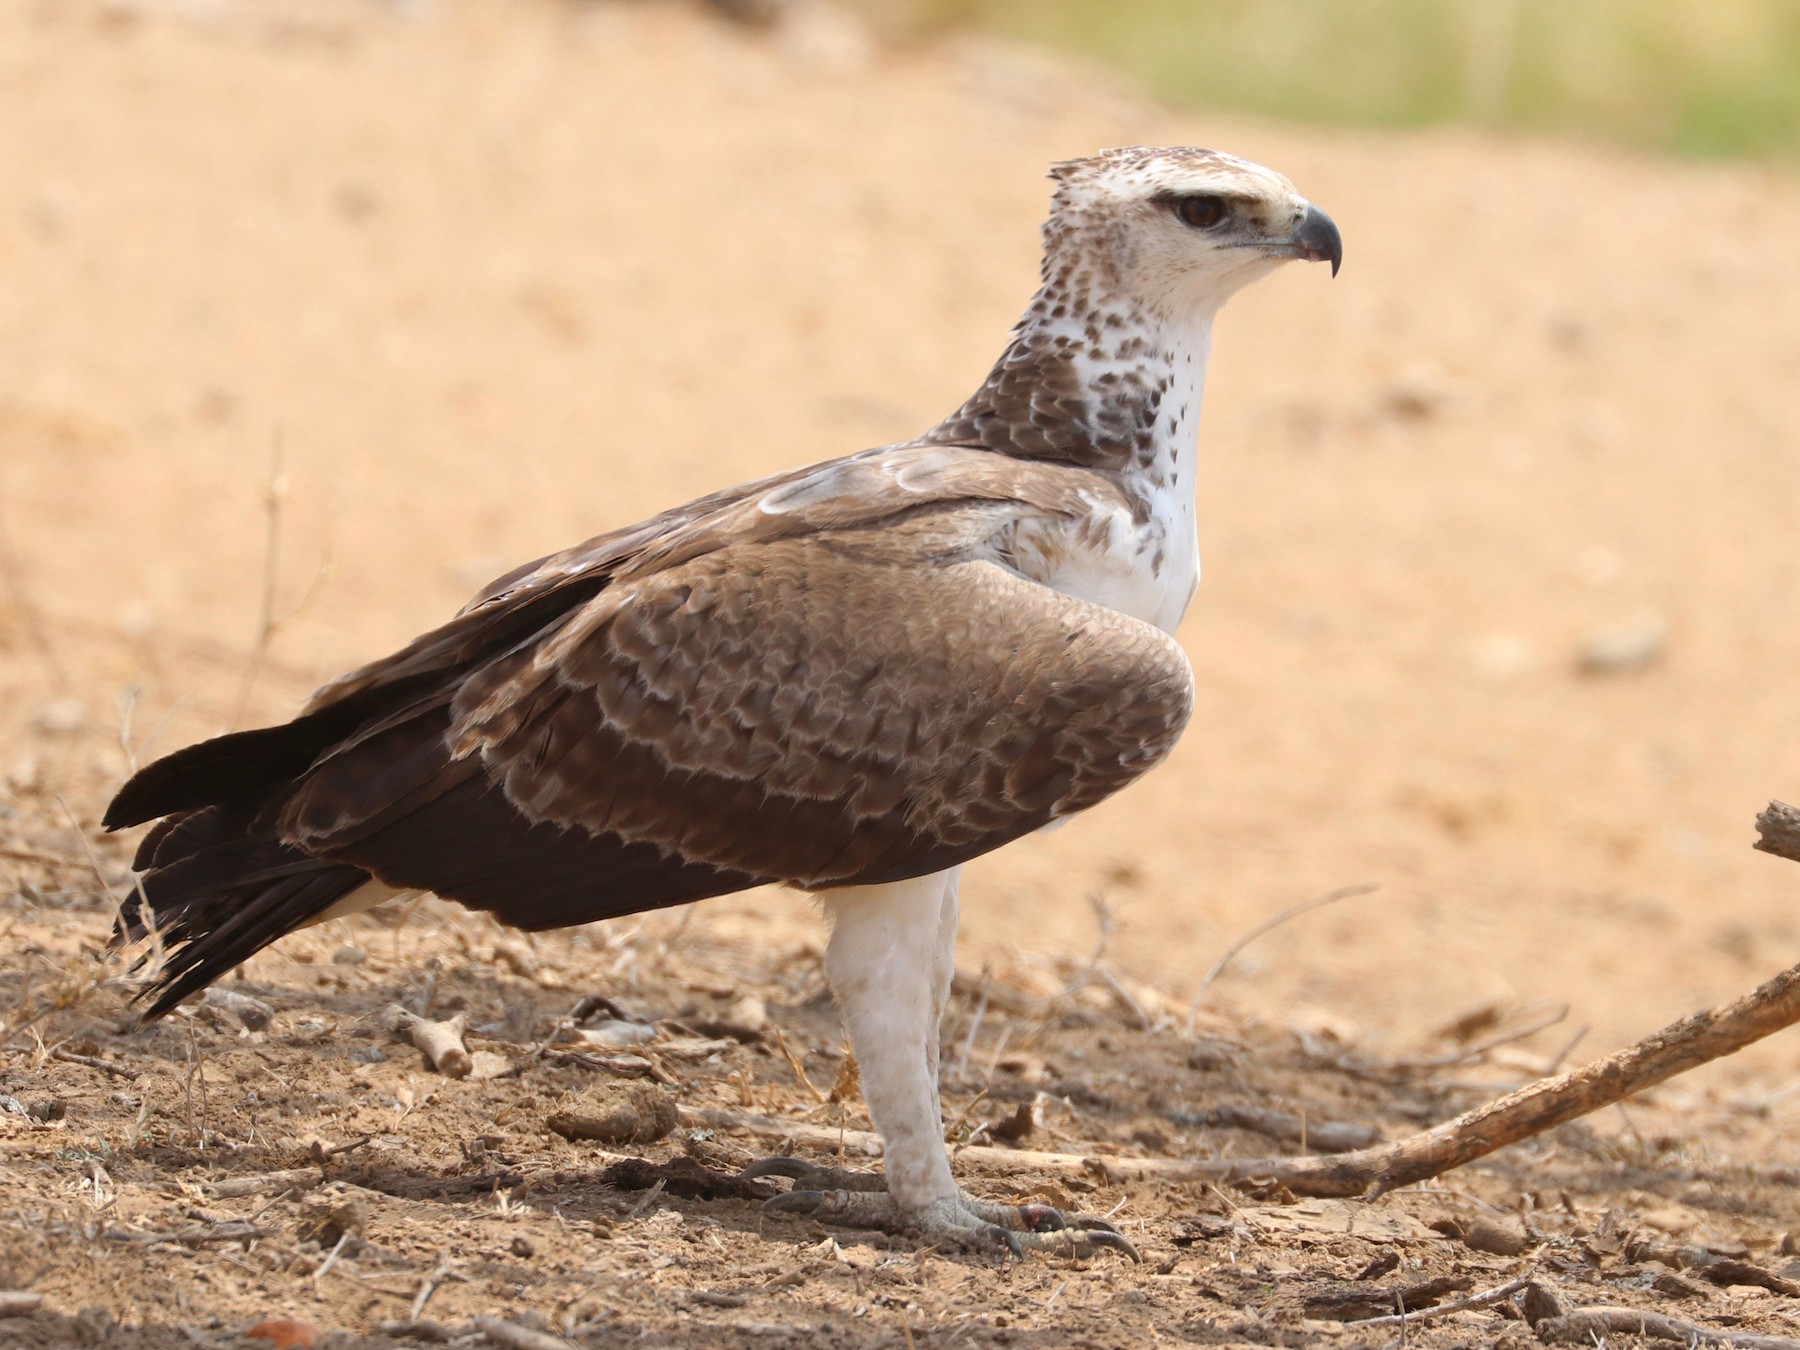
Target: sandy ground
{"points": [[1500, 606]]}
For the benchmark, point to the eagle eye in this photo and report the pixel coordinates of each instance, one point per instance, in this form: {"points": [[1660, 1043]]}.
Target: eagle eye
{"points": [[1201, 211]]}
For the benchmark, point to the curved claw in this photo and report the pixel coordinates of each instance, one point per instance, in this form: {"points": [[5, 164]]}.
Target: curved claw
{"points": [[1109, 1237], [1004, 1237]]}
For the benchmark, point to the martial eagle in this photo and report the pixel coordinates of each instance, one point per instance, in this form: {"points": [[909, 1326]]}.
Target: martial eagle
{"points": [[849, 678]]}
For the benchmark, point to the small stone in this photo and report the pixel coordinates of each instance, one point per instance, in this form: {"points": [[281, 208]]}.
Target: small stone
{"points": [[1208, 1056], [93, 1325], [750, 1013], [1502, 656], [250, 1012], [615, 1113], [488, 1064], [325, 1219], [745, 1020], [1541, 1302], [1617, 650], [1419, 392], [1485, 1235], [614, 1035], [59, 717]]}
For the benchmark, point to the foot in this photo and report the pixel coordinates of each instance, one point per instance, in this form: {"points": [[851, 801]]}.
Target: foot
{"points": [[860, 1199]]}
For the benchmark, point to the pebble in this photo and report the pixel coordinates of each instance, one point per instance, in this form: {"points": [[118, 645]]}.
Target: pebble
{"points": [[1635, 644]]}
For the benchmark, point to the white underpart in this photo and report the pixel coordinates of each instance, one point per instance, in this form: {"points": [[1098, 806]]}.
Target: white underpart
{"points": [[1146, 569], [365, 897], [890, 961]]}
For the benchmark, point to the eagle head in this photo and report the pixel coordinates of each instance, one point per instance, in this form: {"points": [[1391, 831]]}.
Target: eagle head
{"points": [[1179, 230]]}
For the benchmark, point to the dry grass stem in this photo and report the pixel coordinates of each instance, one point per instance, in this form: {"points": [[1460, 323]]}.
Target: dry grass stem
{"points": [[1591, 1326], [18, 853], [1291, 912], [1473, 1301], [516, 1337], [440, 1042]]}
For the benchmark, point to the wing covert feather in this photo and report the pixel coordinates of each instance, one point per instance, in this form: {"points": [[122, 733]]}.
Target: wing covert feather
{"points": [[821, 716]]}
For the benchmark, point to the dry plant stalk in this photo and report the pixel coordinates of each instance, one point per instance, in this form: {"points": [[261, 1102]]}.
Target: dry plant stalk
{"points": [[517, 1337], [1591, 1326], [440, 1042], [18, 1303]]}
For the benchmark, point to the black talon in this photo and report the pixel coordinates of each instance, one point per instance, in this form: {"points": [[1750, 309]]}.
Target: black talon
{"points": [[1110, 1237], [1092, 1223], [1008, 1239], [1042, 1219]]}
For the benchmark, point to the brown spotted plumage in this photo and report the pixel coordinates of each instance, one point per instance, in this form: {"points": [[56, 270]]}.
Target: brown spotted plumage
{"points": [[849, 678]]}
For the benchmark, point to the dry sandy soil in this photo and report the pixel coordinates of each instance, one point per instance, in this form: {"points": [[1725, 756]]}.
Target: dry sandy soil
{"points": [[1501, 613]]}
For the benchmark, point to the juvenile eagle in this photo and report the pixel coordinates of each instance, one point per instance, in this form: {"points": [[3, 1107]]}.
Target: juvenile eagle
{"points": [[849, 678]]}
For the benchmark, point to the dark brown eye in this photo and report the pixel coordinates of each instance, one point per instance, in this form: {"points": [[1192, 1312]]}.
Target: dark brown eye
{"points": [[1201, 212]]}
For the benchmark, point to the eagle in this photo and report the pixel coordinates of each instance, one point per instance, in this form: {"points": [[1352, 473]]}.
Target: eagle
{"points": [[849, 678]]}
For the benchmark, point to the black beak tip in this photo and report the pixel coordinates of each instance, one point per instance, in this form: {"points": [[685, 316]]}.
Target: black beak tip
{"points": [[1317, 239]]}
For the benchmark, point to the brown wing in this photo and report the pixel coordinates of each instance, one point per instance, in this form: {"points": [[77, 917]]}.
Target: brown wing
{"points": [[838, 708], [823, 678]]}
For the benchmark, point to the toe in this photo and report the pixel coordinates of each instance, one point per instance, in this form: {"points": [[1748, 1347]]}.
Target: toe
{"points": [[1080, 1242], [993, 1235], [811, 1176], [808, 1202]]}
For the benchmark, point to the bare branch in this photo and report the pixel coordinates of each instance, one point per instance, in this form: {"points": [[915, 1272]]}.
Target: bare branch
{"points": [[1589, 1326], [1779, 827]]}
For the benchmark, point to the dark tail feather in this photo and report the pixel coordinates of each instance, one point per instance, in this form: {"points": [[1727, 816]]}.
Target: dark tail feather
{"points": [[239, 767], [218, 895]]}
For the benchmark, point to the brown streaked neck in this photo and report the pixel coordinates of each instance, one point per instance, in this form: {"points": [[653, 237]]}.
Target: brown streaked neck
{"points": [[1092, 379]]}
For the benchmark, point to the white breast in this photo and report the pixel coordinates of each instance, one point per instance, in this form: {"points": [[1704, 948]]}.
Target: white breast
{"points": [[1145, 564], [1148, 570]]}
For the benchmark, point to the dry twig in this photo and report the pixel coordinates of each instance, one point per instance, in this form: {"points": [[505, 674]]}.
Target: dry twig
{"points": [[279, 1183], [1547, 1103], [1473, 1301], [231, 1231], [18, 1303], [516, 1337], [1589, 1326], [93, 1062], [1779, 828], [1291, 912], [441, 1273], [440, 1042]]}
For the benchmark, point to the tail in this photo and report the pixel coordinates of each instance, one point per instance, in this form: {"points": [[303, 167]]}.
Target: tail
{"points": [[214, 881]]}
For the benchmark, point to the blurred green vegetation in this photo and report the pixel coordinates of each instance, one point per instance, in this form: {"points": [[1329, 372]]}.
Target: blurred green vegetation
{"points": [[1698, 77]]}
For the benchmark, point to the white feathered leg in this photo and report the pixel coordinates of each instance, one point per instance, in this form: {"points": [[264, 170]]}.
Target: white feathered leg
{"points": [[885, 966], [890, 963]]}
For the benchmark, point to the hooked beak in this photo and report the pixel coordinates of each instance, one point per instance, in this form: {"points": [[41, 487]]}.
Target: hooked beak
{"points": [[1316, 239]]}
